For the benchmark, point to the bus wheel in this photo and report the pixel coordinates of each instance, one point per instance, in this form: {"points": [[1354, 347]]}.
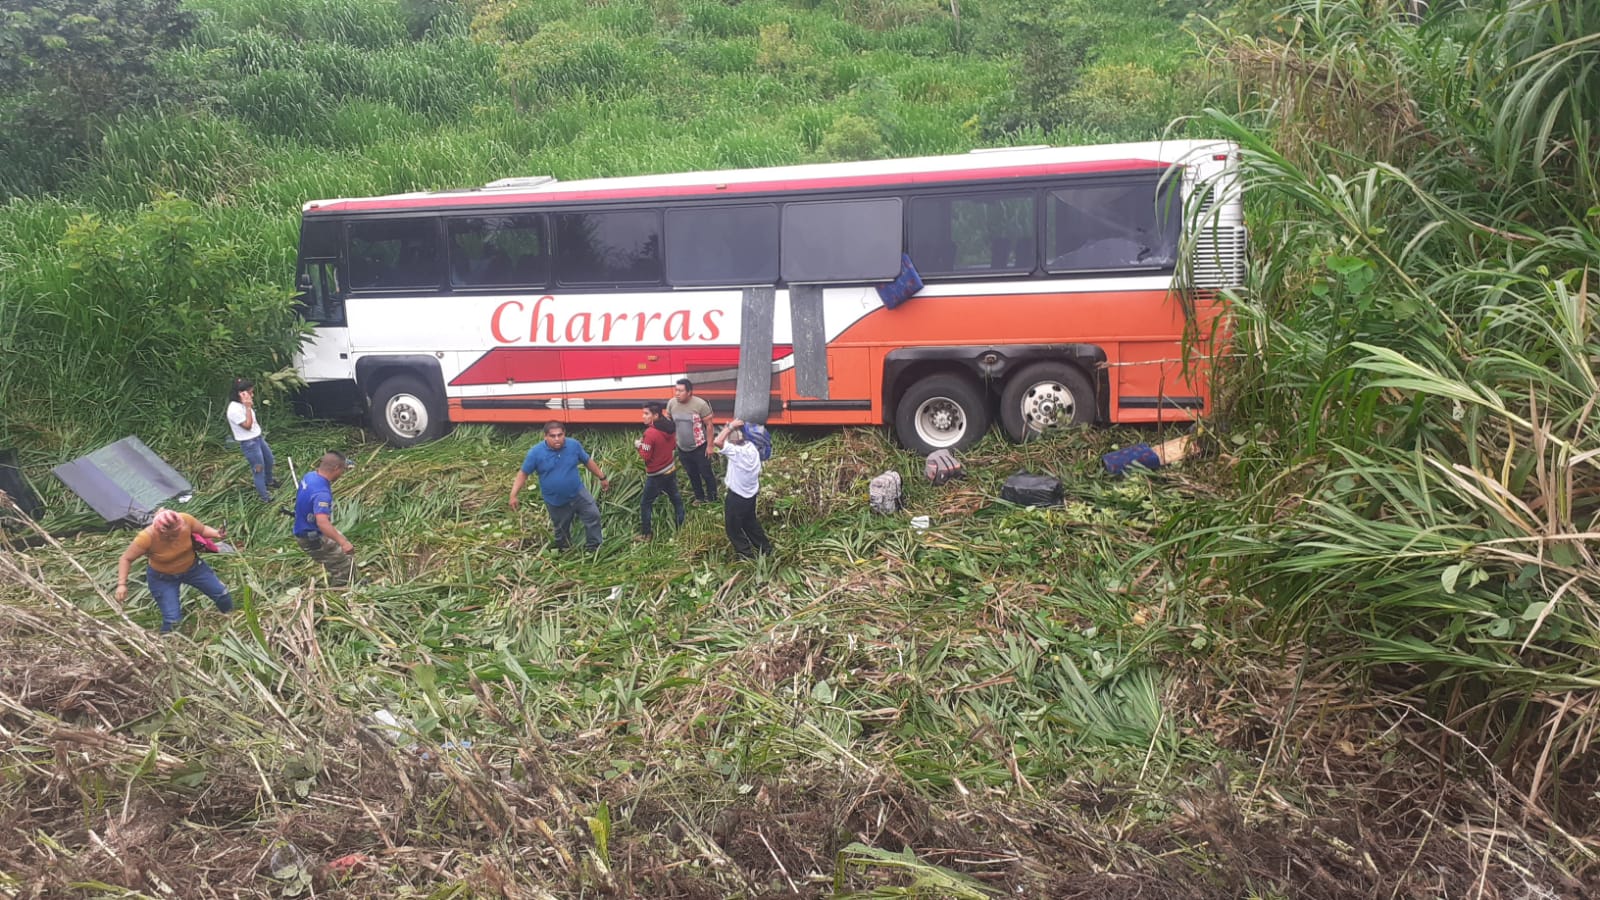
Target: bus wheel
{"points": [[941, 412], [405, 412], [1044, 396]]}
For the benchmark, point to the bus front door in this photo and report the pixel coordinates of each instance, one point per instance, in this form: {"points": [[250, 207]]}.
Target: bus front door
{"points": [[324, 357]]}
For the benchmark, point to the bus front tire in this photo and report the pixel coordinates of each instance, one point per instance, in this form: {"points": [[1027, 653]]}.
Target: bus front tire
{"points": [[1044, 396], [941, 412], [405, 412]]}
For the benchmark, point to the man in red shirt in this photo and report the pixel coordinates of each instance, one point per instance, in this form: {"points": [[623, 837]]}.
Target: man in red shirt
{"points": [[660, 468]]}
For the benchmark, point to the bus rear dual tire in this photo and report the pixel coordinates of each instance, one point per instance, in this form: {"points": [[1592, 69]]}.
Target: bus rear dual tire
{"points": [[941, 412], [1044, 396], [405, 412], [950, 411]]}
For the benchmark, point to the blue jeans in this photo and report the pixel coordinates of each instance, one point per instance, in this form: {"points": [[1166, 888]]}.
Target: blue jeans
{"points": [[259, 455], [165, 588], [587, 512]]}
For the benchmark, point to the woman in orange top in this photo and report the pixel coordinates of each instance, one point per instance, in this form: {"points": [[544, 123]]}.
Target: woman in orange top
{"points": [[173, 563]]}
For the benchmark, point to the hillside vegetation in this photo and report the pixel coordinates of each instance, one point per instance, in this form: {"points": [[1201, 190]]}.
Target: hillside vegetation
{"points": [[1350, 652]]}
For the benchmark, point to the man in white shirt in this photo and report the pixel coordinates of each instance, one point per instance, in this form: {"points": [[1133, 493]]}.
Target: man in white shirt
{"points": [[743, 482], [247, 431]]}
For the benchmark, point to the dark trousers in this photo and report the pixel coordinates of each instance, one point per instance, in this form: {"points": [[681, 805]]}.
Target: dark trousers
{"points": [[585, 510], [744, 532], [701, 478], [338, 564], [655, 486]]}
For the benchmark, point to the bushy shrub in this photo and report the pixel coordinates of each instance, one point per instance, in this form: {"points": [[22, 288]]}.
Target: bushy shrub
{"points": [[561, 60], [1133, 101], [70, 67], [1048, 51], [145, 316], [852, 137], [778, 48]]}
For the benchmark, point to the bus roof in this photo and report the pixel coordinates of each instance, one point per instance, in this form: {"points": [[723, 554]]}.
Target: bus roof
{"points": [[1001, 163]]}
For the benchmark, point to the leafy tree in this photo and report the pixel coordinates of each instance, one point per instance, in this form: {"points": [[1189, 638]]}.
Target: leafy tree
{"points": [[66, 68], [1048, 52]]}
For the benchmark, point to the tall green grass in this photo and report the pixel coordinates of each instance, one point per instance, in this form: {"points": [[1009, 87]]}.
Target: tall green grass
{"points": [[1415, 400]]}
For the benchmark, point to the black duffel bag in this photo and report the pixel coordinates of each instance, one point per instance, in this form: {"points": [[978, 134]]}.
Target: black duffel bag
{"points": [[1028, 489]]}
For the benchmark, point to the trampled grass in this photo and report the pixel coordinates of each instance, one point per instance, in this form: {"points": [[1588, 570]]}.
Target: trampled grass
{"points": [[658, 719]]}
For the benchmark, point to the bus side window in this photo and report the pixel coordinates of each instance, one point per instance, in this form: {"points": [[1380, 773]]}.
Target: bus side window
{"points": [[608, 249], [973, 234], [1120, 225], [498, 251], [391, 254], [722, 245], [321, 301]]}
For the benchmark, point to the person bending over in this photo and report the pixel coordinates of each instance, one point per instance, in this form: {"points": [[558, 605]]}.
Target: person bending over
{"points": [[169, 544]]}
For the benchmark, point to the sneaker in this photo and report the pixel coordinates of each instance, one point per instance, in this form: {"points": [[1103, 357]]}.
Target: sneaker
{"points": [[641, 538], [274, 483]]}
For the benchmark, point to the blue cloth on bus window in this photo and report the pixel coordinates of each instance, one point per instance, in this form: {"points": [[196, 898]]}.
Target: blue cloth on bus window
{"points": [[907, 283]]}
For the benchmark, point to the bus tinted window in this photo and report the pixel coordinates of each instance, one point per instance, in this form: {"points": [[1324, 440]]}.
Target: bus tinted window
{"points": [[1112, 226], [972, 234], [841, 241], [494, 251], [387, 254], [608, 248], [722, 245]]}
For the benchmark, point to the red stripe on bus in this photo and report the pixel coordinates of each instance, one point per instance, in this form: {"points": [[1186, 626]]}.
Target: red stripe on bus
{"points": [[556, 195], [505, 365]]}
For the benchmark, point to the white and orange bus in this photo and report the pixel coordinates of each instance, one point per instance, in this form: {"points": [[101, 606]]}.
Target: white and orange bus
{"points": [[1061, 286]]}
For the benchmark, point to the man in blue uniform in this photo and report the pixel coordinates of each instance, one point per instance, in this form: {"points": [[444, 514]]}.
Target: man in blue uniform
{"points": [[557, 459], [313, 520]]}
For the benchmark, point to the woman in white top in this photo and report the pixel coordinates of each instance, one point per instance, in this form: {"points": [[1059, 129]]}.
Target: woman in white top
{"points": [[247, 431]]}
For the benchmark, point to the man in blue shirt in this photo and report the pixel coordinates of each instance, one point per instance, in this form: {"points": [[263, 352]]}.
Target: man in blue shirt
{"points": [[313, 520], [557, 460]]}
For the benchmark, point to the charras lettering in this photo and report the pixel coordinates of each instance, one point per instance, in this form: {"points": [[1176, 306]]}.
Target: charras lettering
{"points": [[514, 322]]}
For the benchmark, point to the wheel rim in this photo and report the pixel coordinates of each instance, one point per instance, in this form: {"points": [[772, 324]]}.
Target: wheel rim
{"points": [[940, 422], [406, 415], [1047, 404]]}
